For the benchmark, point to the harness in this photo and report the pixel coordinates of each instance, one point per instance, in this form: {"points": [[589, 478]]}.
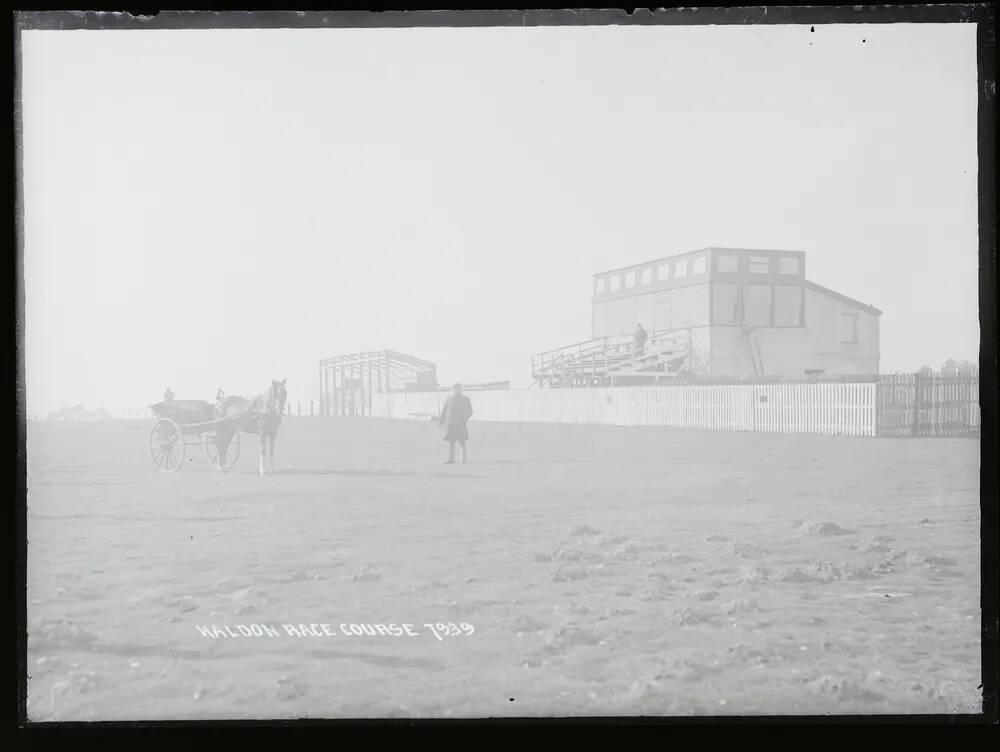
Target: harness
{"points": [[265, 405]]}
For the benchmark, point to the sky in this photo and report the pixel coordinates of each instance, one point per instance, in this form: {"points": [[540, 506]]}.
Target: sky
{"points": [[220, 208]]}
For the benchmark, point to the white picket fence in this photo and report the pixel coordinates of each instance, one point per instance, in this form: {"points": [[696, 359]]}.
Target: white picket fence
{"points": [[832, 409]]}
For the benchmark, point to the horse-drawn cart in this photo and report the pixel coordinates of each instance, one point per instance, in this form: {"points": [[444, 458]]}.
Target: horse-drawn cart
{"points": [[179, 420]]}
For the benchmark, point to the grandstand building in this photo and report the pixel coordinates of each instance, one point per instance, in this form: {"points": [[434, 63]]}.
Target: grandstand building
{"points": [[717, 314]]}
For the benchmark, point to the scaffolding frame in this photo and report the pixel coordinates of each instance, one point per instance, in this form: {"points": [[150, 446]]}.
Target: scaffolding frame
{"points": [[348, 382]]}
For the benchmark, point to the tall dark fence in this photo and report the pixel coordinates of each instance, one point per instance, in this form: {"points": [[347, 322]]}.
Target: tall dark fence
{"points": [[913, 404]]}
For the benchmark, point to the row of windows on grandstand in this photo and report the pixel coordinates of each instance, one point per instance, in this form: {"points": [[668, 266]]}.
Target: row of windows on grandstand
{"points": [[682, 268]]}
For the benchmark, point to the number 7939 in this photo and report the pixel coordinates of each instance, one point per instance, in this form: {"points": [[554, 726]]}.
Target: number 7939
{"points": [[450, 629]]}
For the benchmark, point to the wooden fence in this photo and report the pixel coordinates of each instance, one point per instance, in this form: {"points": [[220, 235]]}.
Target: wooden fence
{"points": [[917, 405], [897, 405], [832, 409]]}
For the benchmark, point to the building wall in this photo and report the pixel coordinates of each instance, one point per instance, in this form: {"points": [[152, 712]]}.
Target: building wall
{"points": [[822, 344], [677, 308]]}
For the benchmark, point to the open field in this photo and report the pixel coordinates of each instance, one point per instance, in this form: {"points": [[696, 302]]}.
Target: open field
{"points": [[605, 571]]}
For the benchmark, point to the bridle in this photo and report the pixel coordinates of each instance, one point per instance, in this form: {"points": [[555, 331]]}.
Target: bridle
{"points": [[269, 401], [275, 406]]}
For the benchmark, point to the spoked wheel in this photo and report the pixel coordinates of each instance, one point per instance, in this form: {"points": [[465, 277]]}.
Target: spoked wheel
{"points": [[222, 449], [166, 445]]}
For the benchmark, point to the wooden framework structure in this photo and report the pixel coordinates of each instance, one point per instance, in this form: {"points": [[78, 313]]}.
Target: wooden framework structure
{"points": [[347, 382]]}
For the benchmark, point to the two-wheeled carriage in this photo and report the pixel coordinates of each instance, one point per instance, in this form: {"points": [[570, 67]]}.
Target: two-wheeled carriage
{"points": [[179, 421]]}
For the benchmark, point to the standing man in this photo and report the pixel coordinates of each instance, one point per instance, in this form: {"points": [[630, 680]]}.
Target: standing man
{"points": [[168, 396], [639, 338], [454, 418]]}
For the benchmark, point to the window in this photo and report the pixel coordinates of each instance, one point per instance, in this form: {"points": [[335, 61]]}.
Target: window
{"points": [[614, 283], [787, 305], [758, 265], [647, 275], [630, 279], [757, 305], [663, 272], [849, 327], [725, 304], [728, 262], [680, 269], [788, 265], [698, 265], [601, 285]]}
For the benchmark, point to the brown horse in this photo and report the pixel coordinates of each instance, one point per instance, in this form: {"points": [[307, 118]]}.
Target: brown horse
{"points": [[260, 415]]}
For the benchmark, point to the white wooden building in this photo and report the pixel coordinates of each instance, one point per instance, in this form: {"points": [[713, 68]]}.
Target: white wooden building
{"points": [[717, 313]]}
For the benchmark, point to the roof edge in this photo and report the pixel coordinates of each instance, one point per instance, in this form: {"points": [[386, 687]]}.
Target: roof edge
{"points": [[696, 250], [843, 298]]}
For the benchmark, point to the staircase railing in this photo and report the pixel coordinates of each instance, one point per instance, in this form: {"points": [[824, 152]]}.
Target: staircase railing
{"points": [[605, 356], [590, 351]]}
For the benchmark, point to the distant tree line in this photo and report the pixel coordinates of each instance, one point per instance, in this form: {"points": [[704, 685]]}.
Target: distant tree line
{"points": [[952, 367], [79, 412]]}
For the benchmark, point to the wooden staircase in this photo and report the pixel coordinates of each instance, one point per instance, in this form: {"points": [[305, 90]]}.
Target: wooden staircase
{"points": [[611, 361]]}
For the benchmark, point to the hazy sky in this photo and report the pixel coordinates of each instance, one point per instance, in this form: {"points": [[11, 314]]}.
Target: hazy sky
{"points": [[219, 208]]}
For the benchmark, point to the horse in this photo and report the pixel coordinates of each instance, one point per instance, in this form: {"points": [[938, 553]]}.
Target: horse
{"points": [[260, 415]]}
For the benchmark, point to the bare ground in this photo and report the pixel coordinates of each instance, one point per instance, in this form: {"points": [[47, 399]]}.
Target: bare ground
{"points": [[604, 571]]}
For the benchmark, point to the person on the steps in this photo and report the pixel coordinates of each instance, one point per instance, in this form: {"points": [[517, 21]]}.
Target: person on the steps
{"points": [[454, 419], [639, 340]]}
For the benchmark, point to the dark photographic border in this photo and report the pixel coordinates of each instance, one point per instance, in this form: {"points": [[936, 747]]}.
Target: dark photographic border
{"points": [[983, 15]]}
